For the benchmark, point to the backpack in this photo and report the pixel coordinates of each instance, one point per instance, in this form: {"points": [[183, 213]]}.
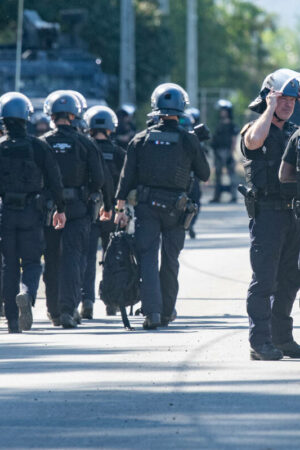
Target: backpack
{"points": [[120, 285]]}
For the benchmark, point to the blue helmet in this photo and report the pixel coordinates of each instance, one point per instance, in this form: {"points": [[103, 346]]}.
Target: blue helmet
{"points": [[40, 117], [223, 104], [15, 105], [187, 121], [82, 101], [102, 118], [168, 99], [195, 112], [62, 102]]}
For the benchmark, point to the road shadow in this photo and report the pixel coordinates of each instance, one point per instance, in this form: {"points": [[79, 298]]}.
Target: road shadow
{"points": [[140, 417]]}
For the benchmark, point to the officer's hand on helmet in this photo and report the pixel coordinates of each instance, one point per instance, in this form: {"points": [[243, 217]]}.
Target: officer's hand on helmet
{"points": [[105, 215], [121, 219], [272, 99], [59, 220]]}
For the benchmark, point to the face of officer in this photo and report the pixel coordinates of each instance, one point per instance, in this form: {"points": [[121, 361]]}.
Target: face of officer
{"points": [[285, 107]]}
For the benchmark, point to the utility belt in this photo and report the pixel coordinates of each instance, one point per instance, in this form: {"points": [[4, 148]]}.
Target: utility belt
{"points": [[168, 202], [254, 203], [18, 201], [76, 193]]}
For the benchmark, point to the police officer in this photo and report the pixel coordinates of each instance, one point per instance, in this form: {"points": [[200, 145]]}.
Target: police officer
{"points": [[82, 175], [79, 123], [274, 231], [26, 164], [126, 128], [223, 144], [158, 163], [101, 122], [41, 124]]}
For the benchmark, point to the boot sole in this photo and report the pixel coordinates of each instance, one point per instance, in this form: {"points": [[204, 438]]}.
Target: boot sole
{"points": [[151, 327], [86, 316], [68, 326], [25, 312], [291, 355], [255, 357], [86, 313]]}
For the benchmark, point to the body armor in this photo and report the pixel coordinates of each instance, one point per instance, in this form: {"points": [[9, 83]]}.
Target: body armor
{"points": [[19, 172], [163, 162], [68, 149], [261, 171]]}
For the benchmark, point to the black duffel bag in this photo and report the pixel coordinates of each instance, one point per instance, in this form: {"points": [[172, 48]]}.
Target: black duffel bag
{"points": [[120, 285]]}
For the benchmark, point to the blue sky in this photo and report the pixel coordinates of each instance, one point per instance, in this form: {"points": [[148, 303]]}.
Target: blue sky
{"points": [[287, 10]]}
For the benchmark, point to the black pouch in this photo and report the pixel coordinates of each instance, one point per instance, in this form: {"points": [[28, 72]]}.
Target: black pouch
{"points": [[250, 201], [70, 194], [143, 193], [94, 205], [181, 202], [256, 173], [49, 210], [15, 200], [190, 211], [250, 206]]}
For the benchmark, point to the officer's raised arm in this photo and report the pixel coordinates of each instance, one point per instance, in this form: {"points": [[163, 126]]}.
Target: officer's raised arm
{"points": [[256, 135]]}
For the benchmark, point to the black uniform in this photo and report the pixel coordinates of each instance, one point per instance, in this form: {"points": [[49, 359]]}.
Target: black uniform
{"points": [[26, 165], [275, 242], [158, 163], [222, 146], [114, 158], [82, 174]]}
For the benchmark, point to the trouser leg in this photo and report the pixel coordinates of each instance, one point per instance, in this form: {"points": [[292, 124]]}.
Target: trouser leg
{"points": [[147, 233], [90, 271], [267, 232], [74, 247], [52, 258], [30, 244], [287, 286], [172, 244], [11, 271]]}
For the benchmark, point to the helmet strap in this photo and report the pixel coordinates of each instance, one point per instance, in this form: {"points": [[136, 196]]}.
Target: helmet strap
{"points": [[278, 118]]}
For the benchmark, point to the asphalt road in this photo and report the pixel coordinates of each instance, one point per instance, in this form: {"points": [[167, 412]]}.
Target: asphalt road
{"points": [[191, 386]]}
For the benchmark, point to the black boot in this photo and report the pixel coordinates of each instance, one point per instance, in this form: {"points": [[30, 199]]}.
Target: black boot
{"points": [[291, 349], [87, 309], [24, 303], [265, 352], [13, 326], [165, 320], [67, 321], [152, 321], [54, 319]]}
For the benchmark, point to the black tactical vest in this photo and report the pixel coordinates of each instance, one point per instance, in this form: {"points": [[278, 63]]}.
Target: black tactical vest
{"points": [[68, 150], [19, 172], [262, 165], [163, 161]]}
